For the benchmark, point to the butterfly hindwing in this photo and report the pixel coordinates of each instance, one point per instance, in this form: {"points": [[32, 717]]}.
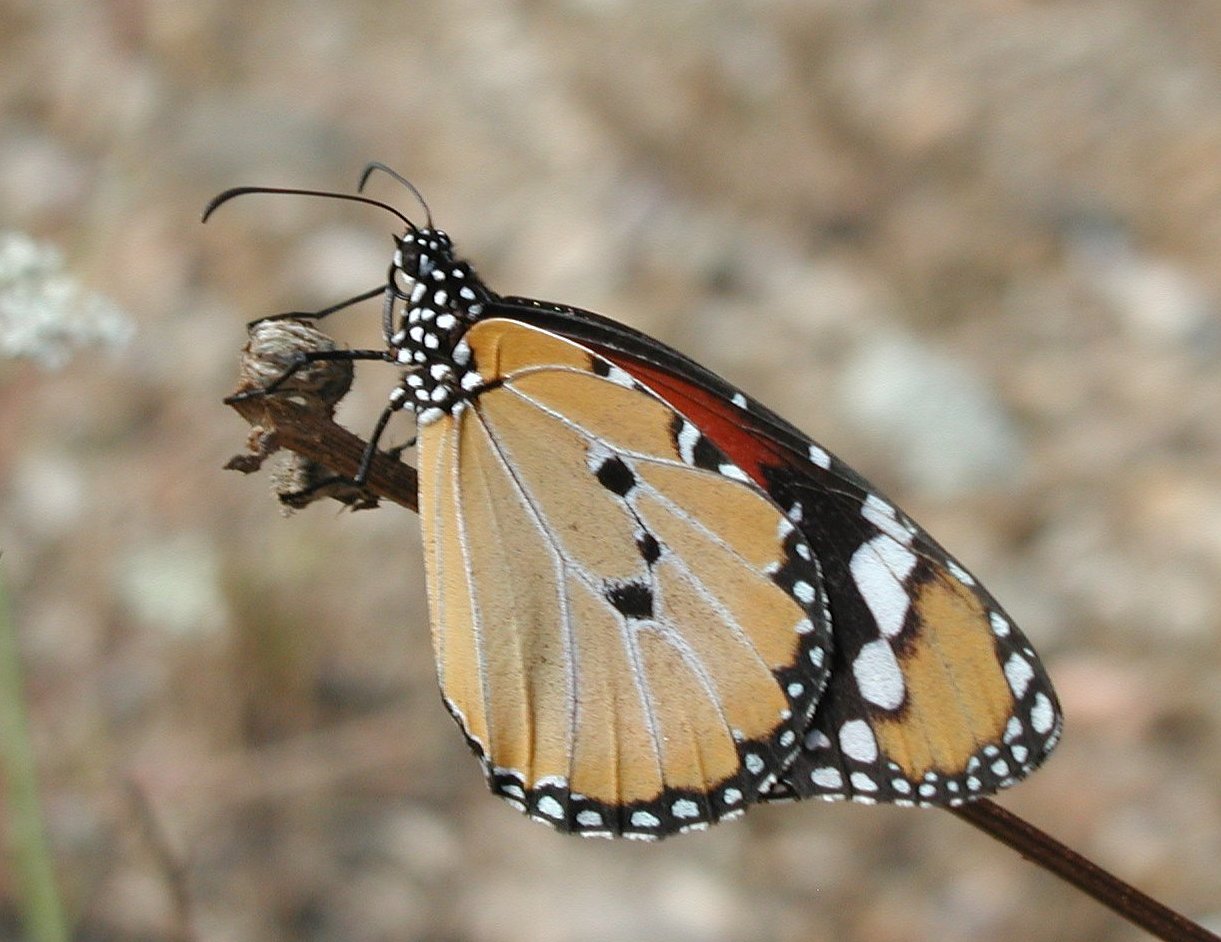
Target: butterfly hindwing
{"points": [[935, 697], [631, 633]]}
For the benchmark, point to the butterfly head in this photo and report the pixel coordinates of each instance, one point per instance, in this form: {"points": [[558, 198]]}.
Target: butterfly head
{"points": [[420, 252]]}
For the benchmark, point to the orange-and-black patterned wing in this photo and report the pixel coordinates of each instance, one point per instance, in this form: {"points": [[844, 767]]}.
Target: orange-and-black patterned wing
{"points": [[633, 636], [935, 696]]}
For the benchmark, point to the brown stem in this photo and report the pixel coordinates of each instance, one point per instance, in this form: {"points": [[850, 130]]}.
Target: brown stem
{"points": [[1044, 850], [307, 428]]}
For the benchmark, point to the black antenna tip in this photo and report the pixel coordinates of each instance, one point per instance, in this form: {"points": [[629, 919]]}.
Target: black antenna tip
{"points": [[221, 198], [394, 174]]}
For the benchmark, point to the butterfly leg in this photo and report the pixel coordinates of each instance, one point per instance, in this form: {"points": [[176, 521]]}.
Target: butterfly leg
{"points": [[323, 486], [302, 359], [319, 315]]}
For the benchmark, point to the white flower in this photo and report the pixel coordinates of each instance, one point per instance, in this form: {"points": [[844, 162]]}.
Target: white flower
{"points": [[45, 315]]}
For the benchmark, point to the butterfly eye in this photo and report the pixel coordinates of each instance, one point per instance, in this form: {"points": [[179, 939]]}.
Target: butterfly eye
{"points": [[407, 256]]}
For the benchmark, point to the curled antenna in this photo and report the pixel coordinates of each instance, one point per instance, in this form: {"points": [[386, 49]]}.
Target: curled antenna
{"points": [[218, 201], [378, 165]]}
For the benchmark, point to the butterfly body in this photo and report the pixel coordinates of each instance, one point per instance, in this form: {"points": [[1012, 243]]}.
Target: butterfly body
{"points": [[655, 602]]}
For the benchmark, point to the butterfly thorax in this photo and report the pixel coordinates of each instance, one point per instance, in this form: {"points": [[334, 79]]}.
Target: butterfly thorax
{"points": [[432, 300]]}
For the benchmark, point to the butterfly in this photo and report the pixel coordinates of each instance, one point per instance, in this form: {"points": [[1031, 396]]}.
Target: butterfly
{"points": [[654, 602]]}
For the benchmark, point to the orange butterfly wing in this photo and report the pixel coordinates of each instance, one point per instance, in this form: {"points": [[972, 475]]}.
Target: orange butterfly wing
{"points": [[631, 633]]}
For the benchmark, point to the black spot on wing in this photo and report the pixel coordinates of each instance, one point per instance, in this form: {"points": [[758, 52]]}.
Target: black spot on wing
{"points": [[631, 599], [650, 549], [616, 476]]}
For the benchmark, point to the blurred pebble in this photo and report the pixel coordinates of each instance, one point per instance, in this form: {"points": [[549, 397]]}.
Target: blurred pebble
{"points": [[945, 427], [173, 585], [1157, 301]]}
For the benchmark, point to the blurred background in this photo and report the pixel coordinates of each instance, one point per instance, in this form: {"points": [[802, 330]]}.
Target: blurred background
{"points": [[974, 248]]}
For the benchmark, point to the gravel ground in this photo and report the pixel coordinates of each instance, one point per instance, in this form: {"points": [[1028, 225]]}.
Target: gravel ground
{"points": [[975, 248]]}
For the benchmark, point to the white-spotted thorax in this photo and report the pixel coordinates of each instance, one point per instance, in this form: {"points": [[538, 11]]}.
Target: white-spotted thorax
{"points": [[432, 299]]}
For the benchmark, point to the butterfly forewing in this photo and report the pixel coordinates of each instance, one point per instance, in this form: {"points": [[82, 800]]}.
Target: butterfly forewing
{"points": [[631, 633]]}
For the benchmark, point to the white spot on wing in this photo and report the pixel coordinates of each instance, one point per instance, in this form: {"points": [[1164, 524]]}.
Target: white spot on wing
{"points": [[879, 568], [816, 739], [1019, 673], [643, 819], [688, 435], [883, 516], [1042, 716], [857, 742], [959, 573], [733, 471], [827, 777], [621, 377], [819, 457], [877, 674]]}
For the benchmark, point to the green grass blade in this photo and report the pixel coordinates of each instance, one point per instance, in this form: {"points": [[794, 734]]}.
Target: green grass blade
{"points": [[31, 857]]}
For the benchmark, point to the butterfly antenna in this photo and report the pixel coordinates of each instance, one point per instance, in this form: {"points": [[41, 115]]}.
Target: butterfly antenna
{"points": [[218, 201], [378, 165]]}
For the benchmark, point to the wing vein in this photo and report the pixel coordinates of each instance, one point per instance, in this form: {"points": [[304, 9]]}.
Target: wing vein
{"points": [[626, 633], [476, 626], [562, 565]]}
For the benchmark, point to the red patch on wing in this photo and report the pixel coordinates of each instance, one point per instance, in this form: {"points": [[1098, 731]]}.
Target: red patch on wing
{"points": [[728, 426]]}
